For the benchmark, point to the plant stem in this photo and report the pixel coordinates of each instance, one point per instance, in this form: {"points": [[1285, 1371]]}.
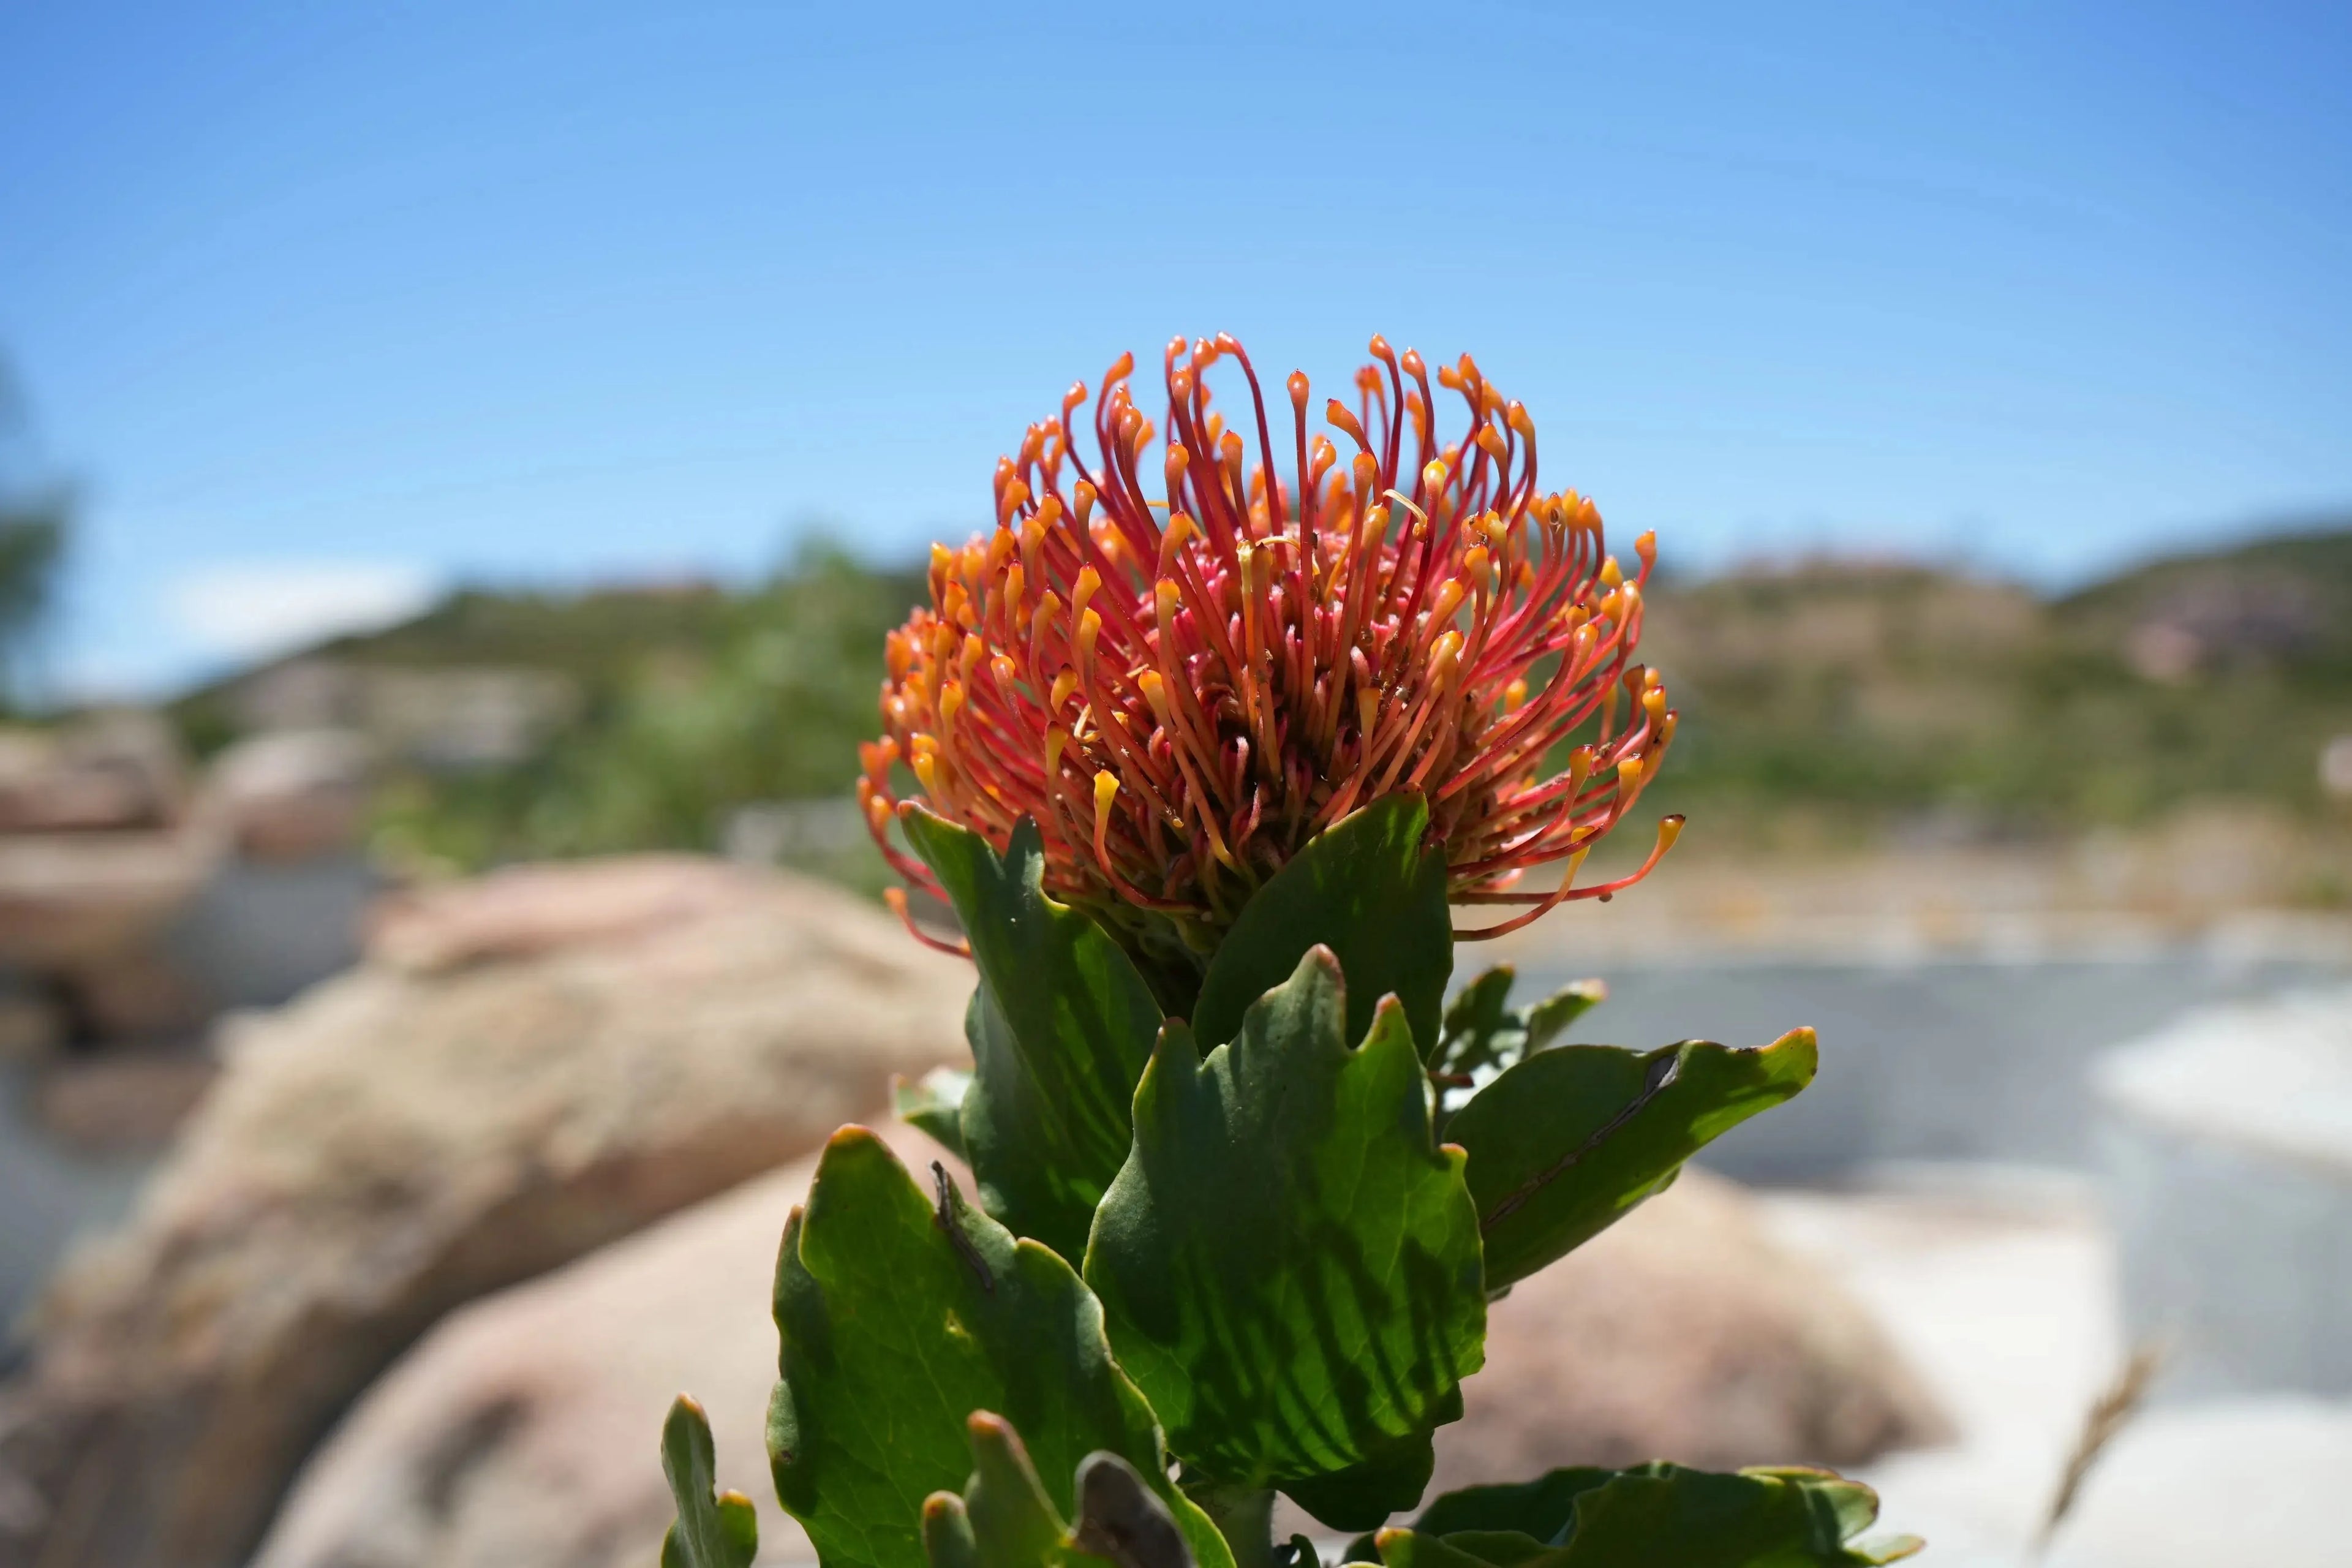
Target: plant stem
{"points": [[1244, 1516]]}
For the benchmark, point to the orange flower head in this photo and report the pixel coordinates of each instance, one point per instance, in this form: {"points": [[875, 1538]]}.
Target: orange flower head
{"points": [[1185, 669]]}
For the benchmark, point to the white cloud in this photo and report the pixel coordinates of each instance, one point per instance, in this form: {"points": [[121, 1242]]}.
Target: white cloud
{"points": [[256, 609]]}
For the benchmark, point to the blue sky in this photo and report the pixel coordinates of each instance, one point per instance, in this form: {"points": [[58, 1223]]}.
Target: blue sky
{"points": [[328, 306]]}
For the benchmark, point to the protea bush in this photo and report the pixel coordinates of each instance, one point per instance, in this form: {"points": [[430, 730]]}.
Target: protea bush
{"points": [[1206, 767]]}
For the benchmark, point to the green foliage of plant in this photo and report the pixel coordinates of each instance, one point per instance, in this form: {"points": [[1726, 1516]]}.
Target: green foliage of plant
{"points": [[1060, 1027], [934, 1103], [1563, 1143], [1004, 1519], [1290, 1263], [714, 1529], [902, 1314], [1373, 890], [1649, 1517], [1285, 1275], [1483, 1032]]}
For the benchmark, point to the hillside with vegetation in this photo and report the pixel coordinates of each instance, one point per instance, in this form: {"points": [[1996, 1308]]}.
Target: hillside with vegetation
{"points": [[1884, 695], [1835, 702]]}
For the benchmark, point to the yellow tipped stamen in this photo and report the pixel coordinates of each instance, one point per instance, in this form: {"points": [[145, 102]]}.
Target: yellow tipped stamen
{"points": [[1178, 530], [1448, 599], [1445, 659]]}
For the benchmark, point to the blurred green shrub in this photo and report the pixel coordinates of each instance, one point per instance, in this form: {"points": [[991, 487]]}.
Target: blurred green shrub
{"points": [[743, 699]]}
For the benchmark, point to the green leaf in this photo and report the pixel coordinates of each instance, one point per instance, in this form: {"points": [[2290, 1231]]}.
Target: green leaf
{"points": [[714, 1529], [1004, 1519], [1483, 1031], [1121, 1518], [1373, 890], [1479, 1024], [900, 1315], [1540, 1508], [1564, 1144], [1392, 1476], [1288, 1261], [1645, 1518], [933, 1104], [1555, 1013], [1060, 1029]]}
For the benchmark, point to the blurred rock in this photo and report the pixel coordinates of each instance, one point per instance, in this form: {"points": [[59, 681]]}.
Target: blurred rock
{"points": [[121, 1102], [74, 900], [113, 770], [1684, 1332], [95, 859], [87, 912], [521, 1433], [291, 795], [32, 1026], [414, 1134], [530, 910]]}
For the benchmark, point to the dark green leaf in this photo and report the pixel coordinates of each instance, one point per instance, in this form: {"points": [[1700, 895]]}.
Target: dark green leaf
{"points": [[1060, 1029], [1370, 888], [1555, 1013], [1540, 1508], [1647, 1518], [1479, 1024], [1288, 1261], [1483, 1032], [900, 1315], [1567, 1141], [934, 1104], [714, 1529], [1004, 1519], [1392, 1476]]}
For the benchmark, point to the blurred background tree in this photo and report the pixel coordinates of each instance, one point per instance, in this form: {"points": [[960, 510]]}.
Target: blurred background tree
{"points": [[36, 515]]}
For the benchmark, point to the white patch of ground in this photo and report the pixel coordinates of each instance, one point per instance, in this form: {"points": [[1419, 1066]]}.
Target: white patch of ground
{"points": [[2002, 1289]]}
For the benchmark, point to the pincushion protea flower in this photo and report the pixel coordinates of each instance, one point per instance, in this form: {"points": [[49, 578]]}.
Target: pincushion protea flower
{"points": [[1182, 691]]}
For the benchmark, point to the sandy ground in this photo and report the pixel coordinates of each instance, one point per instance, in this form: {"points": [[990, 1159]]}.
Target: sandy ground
{"points": [[2002, 1289], [2005, 1301]]}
